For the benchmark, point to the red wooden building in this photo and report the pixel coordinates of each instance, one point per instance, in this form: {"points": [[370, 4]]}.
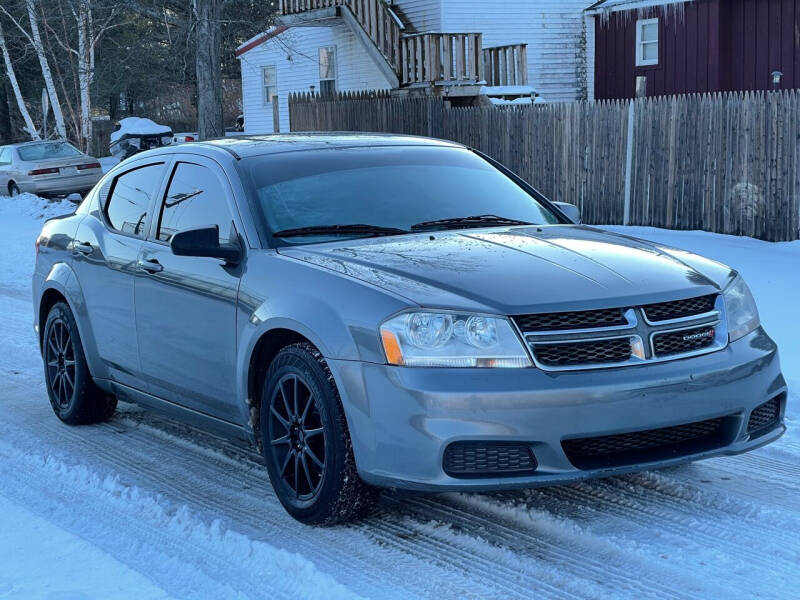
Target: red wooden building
{"points": [[689, 46]]}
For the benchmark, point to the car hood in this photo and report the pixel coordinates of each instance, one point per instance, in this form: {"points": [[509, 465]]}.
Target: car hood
{"points": [[520, 269]]}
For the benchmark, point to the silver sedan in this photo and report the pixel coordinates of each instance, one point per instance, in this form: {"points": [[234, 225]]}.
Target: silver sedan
{"points": [[393, 312], [46, 168]]}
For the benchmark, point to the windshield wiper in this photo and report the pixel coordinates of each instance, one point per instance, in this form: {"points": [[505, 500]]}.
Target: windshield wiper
{"points": [[473, 221], [352, 229]]}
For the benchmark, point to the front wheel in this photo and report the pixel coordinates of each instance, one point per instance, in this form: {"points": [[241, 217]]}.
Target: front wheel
{"points": [[306, 441], [74, 396]]}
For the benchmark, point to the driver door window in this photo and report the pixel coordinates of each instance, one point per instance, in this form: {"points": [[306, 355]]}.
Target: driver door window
{"points": [[195, 198]]}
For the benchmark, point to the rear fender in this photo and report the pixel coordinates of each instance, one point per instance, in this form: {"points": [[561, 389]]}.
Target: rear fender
{"points": [[61, 278]]}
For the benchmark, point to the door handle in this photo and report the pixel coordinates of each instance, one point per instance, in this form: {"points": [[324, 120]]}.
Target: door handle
{"points": [[85, 248], [151, 265]]}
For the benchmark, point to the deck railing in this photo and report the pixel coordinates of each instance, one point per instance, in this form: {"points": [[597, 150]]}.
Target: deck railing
{"points": [[441, 58], [374, 16], [506, 65]]}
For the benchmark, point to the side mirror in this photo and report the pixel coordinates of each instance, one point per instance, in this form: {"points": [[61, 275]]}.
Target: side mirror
{"points": [[573, 212], [204, 241], [75, 198]]}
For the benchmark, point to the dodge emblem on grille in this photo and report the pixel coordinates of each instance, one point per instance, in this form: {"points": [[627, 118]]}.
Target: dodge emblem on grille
{"points": [[699, 336]]}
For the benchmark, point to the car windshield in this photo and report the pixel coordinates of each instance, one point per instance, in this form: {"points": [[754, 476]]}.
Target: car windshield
{"points": [[47, 150], [312, 196]]}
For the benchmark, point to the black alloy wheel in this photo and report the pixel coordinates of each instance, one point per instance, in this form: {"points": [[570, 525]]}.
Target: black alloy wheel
{"points": [[306, 441], [60, 361], [297, 436], [75, 397]]}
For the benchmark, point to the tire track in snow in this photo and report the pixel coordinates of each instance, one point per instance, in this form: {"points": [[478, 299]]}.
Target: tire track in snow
{"points": [[154, 468], [695, 525], [580, 561], [152, 458], [49, 487]]}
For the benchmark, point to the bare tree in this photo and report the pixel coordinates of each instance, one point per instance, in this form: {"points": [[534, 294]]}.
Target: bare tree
{"points": [[36, 40], [12, 78], [208, 34]]}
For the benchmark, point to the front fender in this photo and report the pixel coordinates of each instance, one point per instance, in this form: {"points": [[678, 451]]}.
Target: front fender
{"points": [[61, 278], [337, 314]]}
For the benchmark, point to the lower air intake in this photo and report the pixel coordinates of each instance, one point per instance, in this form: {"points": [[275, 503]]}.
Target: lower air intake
{"points": [[488, 459], [650, 445], [764, 418]]}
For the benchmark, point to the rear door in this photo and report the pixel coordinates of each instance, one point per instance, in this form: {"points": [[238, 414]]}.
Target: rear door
{"points": [[186, 306], [105, 259]]}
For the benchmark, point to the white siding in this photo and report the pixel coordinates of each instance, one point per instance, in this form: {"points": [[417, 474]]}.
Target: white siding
{"points": [[295, 53], [553, 30], [425, 15]]}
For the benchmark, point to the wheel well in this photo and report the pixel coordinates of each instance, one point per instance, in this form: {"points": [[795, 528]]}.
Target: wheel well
{"points": [[49, 298], [10, 183], [264, 353]]}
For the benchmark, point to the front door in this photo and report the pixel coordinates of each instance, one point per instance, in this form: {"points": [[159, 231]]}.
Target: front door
{"points": [[186, 306]]}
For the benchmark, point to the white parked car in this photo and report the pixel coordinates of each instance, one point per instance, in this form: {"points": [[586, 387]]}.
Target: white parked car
{"points": [[47, 168]]}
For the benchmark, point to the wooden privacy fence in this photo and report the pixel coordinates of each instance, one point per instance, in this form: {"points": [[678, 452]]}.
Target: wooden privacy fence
{"points": [[728, 163]]}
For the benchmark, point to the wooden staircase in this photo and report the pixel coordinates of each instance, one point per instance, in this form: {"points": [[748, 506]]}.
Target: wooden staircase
{"points": [[451, 64]]}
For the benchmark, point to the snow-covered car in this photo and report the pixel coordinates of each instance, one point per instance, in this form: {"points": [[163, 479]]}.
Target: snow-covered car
{"points": [[136, 134], [380, 311], [47, 168]]}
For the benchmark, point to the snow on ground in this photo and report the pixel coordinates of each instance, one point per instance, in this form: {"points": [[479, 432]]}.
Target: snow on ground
{"points": [[143, 507]]}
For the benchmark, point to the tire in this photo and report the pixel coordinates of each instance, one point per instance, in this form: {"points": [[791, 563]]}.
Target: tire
{"points": [[306, 442], [73, 394], [13, 189]]}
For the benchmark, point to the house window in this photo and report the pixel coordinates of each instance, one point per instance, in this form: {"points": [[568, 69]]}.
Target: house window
{"points": [[269, 78], [327, 70], [646, 42]]}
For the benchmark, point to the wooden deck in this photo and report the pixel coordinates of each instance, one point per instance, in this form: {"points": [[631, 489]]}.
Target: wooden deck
{"points": [[419, 59]]}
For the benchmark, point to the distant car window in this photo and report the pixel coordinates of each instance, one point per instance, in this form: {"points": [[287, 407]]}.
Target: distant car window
{"points": [[127, 207], [195, 198], [5, 157], [47, 150]]}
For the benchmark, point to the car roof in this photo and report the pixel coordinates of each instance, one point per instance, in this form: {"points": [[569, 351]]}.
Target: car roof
{"points": [[243, 146]]}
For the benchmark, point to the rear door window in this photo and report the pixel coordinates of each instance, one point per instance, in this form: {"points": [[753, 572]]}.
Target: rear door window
{"points": [[129, 203], [195, 198], [5, 157]]}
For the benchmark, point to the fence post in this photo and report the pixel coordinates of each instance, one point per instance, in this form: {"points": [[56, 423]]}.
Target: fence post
{"points": [[626, 217]]}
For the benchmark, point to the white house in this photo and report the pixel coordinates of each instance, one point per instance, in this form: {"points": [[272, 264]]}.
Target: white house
{"points": [[444, 47]]}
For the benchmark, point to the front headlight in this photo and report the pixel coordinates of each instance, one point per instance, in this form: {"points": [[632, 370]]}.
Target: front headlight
{"points": [[444, 339], [740, 308]]}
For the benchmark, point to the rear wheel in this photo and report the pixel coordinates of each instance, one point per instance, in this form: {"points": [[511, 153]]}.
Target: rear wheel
{"points": [[13, 189], [306, 442], [74, 396]]}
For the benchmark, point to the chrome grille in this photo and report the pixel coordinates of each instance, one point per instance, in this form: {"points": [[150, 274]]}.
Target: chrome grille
{"points": [[618, 337], [678, 309], [615, 350], [571, 320], [679, 342]]}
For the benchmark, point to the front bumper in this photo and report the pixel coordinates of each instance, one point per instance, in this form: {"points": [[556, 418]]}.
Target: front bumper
{"points": [[66, 184], [402, 419]]}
